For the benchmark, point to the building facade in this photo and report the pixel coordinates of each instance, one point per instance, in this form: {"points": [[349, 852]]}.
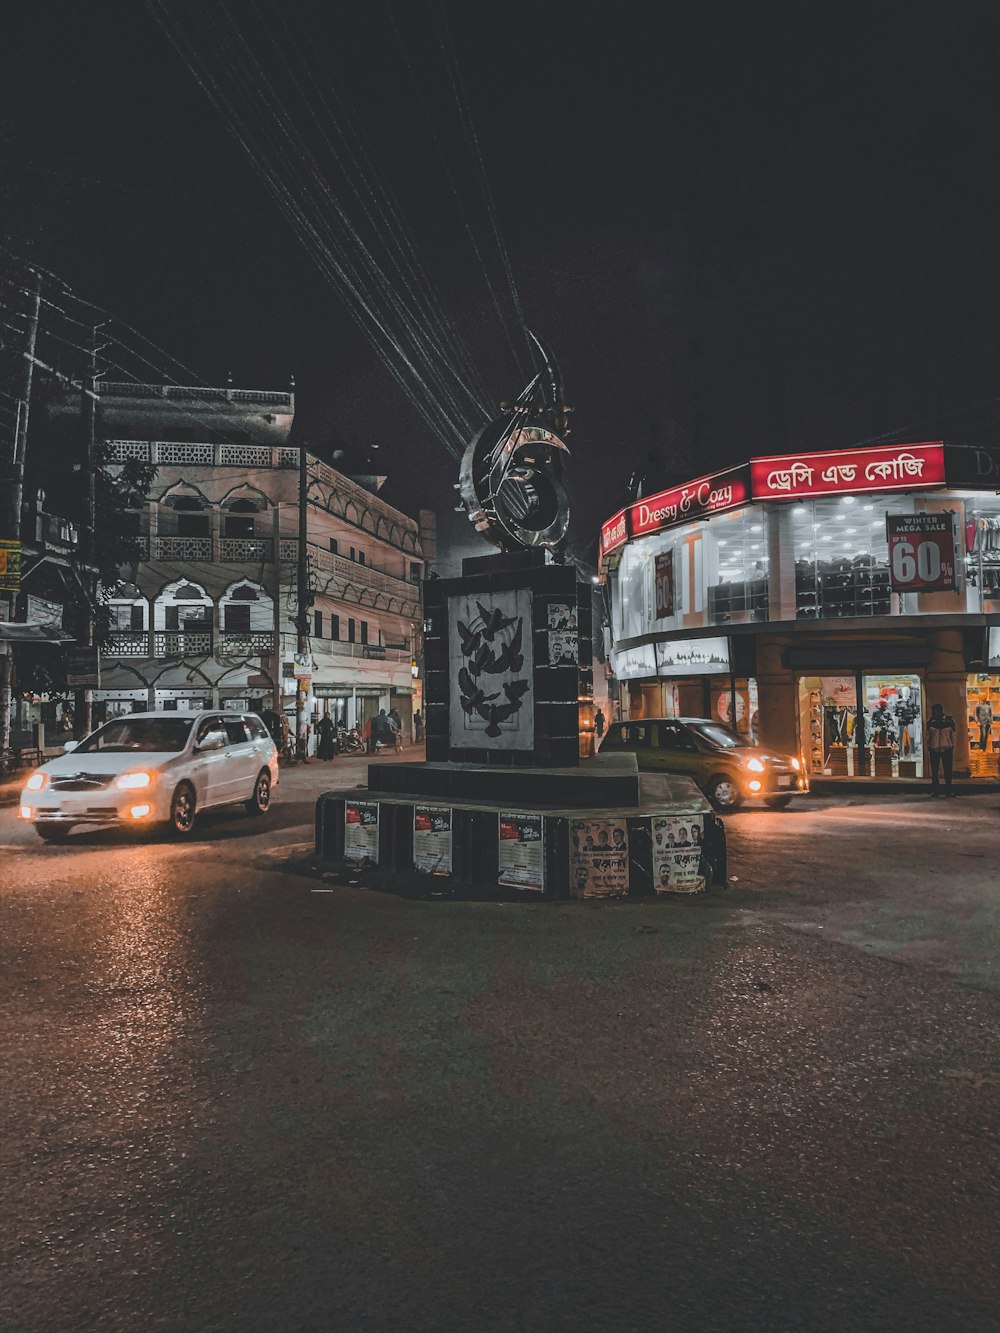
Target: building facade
{"points": [[822, 602], [209, 616]]}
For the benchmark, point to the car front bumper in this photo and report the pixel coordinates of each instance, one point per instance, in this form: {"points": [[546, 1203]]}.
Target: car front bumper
{"points": [[97, 807]]}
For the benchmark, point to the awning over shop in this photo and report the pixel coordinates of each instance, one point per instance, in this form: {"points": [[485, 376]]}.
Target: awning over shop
{"points": [[29, 631]]}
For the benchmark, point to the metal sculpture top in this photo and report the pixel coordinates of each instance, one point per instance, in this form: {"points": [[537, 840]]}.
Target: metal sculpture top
{"points": [[511, 475]]}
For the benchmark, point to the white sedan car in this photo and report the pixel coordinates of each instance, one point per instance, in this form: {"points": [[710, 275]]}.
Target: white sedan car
{"points": [[154, 768]]}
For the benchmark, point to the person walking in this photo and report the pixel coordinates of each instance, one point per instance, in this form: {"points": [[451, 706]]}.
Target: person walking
{"points": [[599, 723], [418, 727], [397, 726], [368, 735], [941, 732], [984, 716]]}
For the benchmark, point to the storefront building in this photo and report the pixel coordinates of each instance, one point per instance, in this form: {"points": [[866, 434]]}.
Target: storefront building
{"points": [[824, 601]]}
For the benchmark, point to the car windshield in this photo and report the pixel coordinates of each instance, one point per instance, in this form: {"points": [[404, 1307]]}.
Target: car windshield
{"points": [[720, 737], [161, 735]]}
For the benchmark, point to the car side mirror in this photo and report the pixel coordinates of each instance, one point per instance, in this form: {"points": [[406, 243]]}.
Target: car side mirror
{"points": [[70, 745], [213, 740]]}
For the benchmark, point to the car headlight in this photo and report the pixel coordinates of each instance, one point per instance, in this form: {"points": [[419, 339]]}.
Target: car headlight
{"points": [[795, 764], [37, 782], [128, 781], [755, 765]]}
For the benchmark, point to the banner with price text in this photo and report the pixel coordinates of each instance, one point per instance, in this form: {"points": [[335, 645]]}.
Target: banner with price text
{"points": [[921, 552]]}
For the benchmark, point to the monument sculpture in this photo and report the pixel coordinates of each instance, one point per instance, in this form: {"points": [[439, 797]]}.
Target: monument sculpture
{"points": [[511, 795]]}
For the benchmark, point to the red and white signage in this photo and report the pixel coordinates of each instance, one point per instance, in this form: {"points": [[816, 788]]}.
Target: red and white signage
{"points": [[696, 499], [892, 467], [921, 552], [614, 533], [664, 584]]}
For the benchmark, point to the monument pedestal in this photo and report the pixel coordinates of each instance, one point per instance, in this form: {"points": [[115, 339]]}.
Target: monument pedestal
{"points": [[513, 797]]}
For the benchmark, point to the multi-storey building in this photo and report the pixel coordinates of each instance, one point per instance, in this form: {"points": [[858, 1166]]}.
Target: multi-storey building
{"points": [[209, 615], [823, 601]]}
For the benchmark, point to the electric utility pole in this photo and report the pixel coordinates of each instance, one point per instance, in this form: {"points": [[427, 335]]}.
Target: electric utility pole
{"points": [[83, 701], [11, 500], [303, 601]]}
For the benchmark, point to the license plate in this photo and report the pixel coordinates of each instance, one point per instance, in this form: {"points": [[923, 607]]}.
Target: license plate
{"points": [[784, 782]]}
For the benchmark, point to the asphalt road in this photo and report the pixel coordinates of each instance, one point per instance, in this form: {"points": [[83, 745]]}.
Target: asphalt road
{"points": [[241, 1095]]}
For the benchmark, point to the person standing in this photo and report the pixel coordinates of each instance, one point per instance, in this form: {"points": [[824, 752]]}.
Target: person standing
{"points": [[941, 734], [325, 729], [599, 723], [984, 716], [418, 727]]}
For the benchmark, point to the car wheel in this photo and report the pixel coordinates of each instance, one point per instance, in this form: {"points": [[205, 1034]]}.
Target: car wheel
{"points": [[724, 794], [777, 802], [260, 802], [52, 832], [182, 809]]}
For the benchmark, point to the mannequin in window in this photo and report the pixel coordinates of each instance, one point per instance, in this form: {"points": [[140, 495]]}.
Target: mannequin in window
{"points": [[882, 723], [906, 710], [836, 722], [984, 717]]}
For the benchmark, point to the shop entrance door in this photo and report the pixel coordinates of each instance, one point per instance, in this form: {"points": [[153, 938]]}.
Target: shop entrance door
{"points": [[863, 725], [828, 726], [895, 724]]}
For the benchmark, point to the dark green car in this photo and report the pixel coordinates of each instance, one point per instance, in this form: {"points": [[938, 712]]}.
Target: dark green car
{"points": [[726, 768]]}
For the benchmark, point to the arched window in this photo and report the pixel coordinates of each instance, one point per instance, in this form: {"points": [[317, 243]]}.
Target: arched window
{"points": [[192, 516], [240, 520], [246, 608], [183, 607]]}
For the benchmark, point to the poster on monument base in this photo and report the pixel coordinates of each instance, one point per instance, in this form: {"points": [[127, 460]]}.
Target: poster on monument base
{"points": [[361, 832], [521, 859], [677, 854], [598, 858], [432, 839]]}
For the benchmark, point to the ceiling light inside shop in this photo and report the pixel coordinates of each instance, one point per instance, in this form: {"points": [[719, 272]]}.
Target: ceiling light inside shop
{"points": [[849, 532], [869, 506], [848, 500], [755, 527], [800, 510]]}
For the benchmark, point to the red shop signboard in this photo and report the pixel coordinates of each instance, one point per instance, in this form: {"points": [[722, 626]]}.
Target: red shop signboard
{"points": [[614, 533], [696, 499], [921, 552], [891, 467]]}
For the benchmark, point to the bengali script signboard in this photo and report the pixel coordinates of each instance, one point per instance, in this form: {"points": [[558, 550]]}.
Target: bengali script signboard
{"points": [[614, 533], [894, 467], [695, 499]]}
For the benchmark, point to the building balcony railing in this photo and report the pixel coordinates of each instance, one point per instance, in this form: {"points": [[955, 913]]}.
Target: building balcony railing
{"points": [[189, 643], [369, 651], [182, 643], [350, 573], [246, 550], [182, 548], [128, 643], [126, 389], [227, 550], [246, 643]]}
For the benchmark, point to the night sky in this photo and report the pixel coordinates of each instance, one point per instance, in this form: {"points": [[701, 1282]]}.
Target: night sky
{"points": [[738, 234]]}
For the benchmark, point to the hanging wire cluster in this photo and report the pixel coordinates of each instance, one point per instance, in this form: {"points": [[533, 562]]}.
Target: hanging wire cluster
{"points": [[268, 71]]}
